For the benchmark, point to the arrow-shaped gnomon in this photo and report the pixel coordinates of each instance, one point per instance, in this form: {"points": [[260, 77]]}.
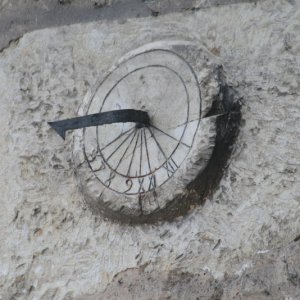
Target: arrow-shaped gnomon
{"points": [[115, 116]]}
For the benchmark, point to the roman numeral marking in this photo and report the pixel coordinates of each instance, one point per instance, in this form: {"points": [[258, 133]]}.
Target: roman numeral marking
{"points": [[152, 182], [141, 188], [170, 166]]}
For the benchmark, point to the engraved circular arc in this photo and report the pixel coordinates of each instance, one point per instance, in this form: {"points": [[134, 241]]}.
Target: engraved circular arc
{"points": [[179, 141], [123, 62]]}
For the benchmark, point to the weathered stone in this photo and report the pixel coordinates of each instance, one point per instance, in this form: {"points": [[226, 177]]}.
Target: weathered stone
{"points": [[273, 275], [53, 247]]}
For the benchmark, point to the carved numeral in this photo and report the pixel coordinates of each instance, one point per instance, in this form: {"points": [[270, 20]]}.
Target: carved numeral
{"points": [[170, 166], [141, 183], [112, 175], [129, 183], [152, 182], [102, 167]]}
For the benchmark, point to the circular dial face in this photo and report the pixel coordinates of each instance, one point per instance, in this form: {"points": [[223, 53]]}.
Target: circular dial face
{"points": [[133, 159], [129, 169]]}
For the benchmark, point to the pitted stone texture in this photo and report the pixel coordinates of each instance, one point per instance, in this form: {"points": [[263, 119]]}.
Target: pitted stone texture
{"points": [[273, 275], [52, 247], [137, 284]]}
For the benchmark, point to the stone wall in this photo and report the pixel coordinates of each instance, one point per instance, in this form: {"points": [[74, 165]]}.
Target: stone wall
{"points": [[242, 243]]}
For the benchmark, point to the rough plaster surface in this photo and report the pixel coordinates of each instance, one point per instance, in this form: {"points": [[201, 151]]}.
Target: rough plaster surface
{"points": [[52, 247], [273, 275], [20, 16]]}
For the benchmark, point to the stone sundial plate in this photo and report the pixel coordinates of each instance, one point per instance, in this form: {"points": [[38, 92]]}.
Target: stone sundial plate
{"points": [[132, 172]]}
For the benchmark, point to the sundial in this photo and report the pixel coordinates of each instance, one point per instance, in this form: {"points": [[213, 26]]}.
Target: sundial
{"points": [[145, 134]]}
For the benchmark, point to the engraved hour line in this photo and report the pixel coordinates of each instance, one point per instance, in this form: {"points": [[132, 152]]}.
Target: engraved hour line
{"points": [[133, 153], [157, 143], [201, 118], [187, 122], [167, 163], [141, 154], [147, 150], [119, 136], [119, 146], [125, 151], [171, 136], [150, 137]]}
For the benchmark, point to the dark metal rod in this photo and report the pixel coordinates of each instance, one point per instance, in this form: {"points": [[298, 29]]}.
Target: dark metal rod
{"points": [[108, 117]]}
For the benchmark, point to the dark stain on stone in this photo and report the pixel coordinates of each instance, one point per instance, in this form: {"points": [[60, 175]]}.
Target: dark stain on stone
{"points": [[10, 43], [297, 238], [154, 13], [217, 244], [63, 2], [16, 216]]}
